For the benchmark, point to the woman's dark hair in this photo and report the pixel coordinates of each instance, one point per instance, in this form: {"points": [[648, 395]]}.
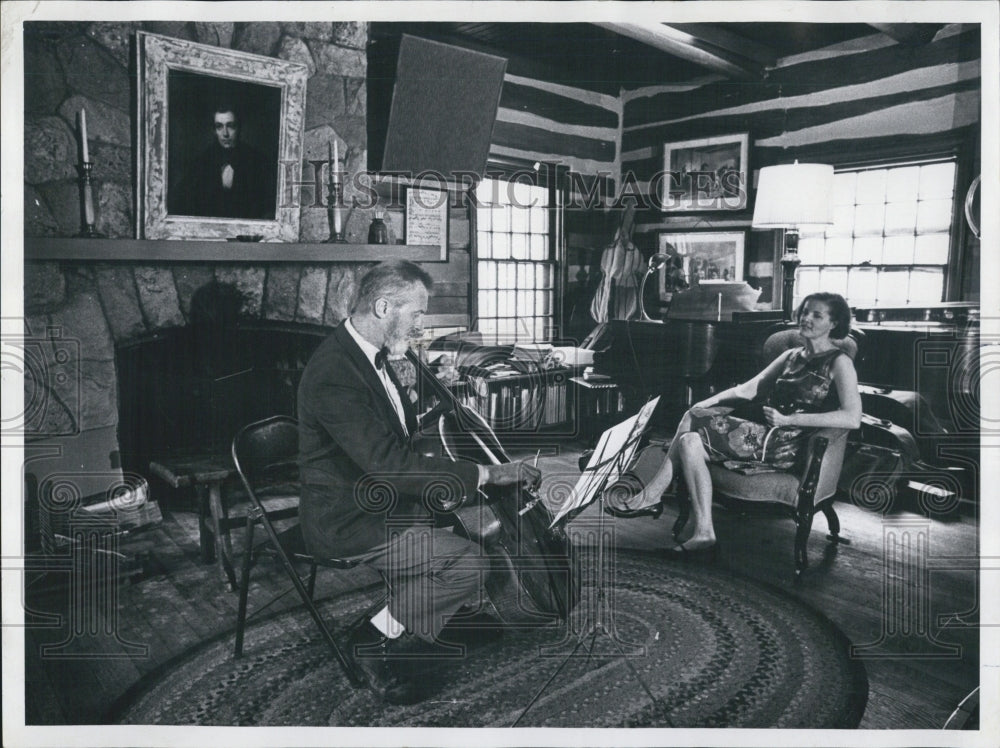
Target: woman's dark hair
{"points": [[840, 312]]}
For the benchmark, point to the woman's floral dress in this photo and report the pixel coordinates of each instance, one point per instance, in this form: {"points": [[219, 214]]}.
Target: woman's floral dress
{"points": [[748, 444]]}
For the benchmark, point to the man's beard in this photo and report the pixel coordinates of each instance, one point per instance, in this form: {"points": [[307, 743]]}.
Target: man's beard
{"points": [[399, 335]]}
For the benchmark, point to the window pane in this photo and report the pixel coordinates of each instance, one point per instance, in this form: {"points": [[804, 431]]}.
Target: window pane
{"points": [[525, 275], [540, 220], [542, 302], [898, 250], [806, 281], [871, 186], [507, 275], [506, 301], [838, 251], [862, 285], [543, 276], [933, 215], [501, 246], [484, 192], [506, 330], [487, 275], [893, 286], [811, 251], [539, 247], [500, 217], [867, 249], [868, 219], [932, 249], [525, 303], [833, 280], [937, 180], [519, 220], [926, 286], [520, 194], [843, 221], [488, 327], [900, 218], [843, 187], [902, 182], [519, 246], [487, 304], [484, 246]]}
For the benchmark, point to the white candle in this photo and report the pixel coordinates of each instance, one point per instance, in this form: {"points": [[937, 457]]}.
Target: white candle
{"points": [[718, 314], [336, 163], [83, 134]]}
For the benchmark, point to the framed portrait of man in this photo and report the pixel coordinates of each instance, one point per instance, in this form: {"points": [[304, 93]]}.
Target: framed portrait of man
{"points": [[219, 133]]}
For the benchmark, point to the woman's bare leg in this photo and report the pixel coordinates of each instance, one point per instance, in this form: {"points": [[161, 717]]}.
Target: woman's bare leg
{"points": [[694, 463], [652, 493]]}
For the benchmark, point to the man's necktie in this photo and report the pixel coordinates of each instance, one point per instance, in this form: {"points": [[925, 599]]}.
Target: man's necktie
{"points": [[381, 357]]}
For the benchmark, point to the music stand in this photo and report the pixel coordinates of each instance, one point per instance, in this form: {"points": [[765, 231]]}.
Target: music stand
{"points": [[613, 465]]}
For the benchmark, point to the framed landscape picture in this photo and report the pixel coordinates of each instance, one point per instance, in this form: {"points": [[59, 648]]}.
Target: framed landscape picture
{"points": [[705, 174], [219, 133]]}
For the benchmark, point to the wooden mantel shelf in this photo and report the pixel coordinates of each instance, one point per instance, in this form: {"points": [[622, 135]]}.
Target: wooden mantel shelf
{"points": [[144, 250]]}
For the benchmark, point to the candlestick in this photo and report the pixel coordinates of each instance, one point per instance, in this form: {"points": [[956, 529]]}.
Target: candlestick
{"points": [[87, 200], [83, 135]]}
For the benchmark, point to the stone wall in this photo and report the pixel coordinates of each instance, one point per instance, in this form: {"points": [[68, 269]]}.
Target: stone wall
{"points": [[74, 66], [77, 313]]}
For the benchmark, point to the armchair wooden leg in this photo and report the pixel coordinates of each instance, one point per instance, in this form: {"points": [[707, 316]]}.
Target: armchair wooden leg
{"points": [[803, 526]]}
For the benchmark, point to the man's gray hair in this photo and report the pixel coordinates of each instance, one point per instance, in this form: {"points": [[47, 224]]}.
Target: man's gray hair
{"points": [[391, 280]]}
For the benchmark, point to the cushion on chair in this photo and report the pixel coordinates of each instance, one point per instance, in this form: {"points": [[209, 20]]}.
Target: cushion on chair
{"points": [[777, 487], [783, 487]]}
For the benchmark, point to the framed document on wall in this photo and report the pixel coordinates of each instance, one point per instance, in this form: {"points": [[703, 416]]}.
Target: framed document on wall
{"points": [[427, 218]]}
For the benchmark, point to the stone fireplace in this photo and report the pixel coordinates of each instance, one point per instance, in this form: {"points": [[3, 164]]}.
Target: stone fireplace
{"points": [[125, 360]]}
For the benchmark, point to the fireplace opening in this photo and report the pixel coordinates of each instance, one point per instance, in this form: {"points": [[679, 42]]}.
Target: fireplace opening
{"points": [[188, 390]]}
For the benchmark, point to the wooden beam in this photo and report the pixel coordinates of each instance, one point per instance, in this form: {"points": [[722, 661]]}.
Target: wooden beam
{"points": [[673, 40], [909, 33], [737, 46]]}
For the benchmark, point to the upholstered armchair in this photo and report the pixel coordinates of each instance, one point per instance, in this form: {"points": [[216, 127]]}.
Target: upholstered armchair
{"points": [[802, 492]]}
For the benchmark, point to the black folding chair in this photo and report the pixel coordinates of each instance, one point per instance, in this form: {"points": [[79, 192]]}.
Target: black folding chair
{"points": [[265, 454]]}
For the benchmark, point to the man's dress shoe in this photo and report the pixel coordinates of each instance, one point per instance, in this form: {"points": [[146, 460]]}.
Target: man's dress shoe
{"points": [[382, 663]]}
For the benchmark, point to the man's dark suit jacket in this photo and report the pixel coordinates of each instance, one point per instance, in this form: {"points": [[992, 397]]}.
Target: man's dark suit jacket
{"points": [[350, 437], [252, 194]]}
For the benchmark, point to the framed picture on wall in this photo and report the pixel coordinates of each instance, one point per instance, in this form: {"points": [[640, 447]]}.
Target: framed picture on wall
{"points": [[697, 258], [219, 133], [705, 174]]}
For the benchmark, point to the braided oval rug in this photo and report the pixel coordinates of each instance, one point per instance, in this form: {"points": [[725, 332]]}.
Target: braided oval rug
{"points": [[716, 650]]}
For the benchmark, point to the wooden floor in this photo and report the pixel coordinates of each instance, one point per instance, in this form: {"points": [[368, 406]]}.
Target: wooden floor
{"points": [[919, 669]]}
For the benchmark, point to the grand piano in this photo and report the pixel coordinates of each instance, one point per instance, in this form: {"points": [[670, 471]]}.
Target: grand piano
{"points": [[681, 360]]}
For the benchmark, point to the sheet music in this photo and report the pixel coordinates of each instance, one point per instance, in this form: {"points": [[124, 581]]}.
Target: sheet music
{"points": [[426, 216], [615, 449]]}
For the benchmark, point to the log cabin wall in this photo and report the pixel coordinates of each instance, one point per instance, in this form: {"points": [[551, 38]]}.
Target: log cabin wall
{"points": [[851, 101]]}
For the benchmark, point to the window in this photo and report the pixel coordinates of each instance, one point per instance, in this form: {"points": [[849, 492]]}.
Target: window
{"points": [[515, 262], [890, 240]]}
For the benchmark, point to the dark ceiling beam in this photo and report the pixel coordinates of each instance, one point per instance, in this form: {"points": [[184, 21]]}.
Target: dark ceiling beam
{"points": [[738, 46], [909, 33], [689, 46]]}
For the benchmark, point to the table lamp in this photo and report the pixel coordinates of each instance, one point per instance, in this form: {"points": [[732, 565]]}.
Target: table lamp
{"points": [[789, 197], [656, 262]]}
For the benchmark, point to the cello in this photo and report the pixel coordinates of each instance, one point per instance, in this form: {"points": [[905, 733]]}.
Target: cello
{"points": [[532, 579]]}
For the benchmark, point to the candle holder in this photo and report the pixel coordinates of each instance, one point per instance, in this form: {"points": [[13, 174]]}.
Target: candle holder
{"points": [[334, 206], [87, 224]]}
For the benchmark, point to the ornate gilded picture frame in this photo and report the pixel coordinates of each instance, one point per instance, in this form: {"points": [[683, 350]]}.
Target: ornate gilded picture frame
{"points": [[706, 174], [219, 137]]}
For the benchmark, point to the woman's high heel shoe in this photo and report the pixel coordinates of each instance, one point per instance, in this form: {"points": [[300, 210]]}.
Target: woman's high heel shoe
{"points": [[653, 510]]}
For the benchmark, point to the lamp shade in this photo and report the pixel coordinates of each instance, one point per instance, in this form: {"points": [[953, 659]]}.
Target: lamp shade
{"points": [[793, 195]]}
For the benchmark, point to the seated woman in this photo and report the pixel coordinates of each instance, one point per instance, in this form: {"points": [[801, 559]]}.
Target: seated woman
{"points": [[807, 388]]}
